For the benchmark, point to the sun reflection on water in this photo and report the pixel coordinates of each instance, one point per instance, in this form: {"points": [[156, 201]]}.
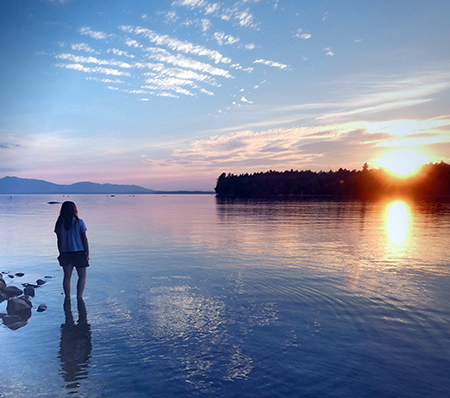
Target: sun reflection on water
{"points": [[397, 222]]}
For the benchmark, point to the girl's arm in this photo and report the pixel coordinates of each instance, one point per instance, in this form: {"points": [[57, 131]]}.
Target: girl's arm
{"points": [[59, 243], [85, 242]]}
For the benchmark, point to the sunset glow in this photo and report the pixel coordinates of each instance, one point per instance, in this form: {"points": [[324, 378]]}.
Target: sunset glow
{"points": [[404, 161]]}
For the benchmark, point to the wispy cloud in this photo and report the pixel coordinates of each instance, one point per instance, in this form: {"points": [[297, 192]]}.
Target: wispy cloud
{"points": [[93, 60], [98, 69], [316, 147], [271, 63], [177, 45], [60, 1], [94, 34], [179, 60], [115, 51], [169, 73], [300, 35], [237, 14], [382, 93], [82, 47], [223, 38], [109, 81]]}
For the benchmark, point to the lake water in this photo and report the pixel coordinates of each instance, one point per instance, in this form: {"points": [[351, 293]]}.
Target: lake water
{"points": [[192, 296]]}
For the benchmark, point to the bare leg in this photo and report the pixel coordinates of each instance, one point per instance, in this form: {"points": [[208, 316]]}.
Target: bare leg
{"points": [[66, 279], [81, 282]]}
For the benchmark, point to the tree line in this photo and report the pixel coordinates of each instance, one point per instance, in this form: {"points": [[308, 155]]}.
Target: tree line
{"points": [[431, 180]]}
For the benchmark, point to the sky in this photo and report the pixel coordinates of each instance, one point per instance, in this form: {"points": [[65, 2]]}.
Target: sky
{"points": [[169, 94]]}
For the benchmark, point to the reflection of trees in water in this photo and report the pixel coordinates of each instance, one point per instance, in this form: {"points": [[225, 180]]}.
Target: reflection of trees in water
{"points": [[75, 346]]}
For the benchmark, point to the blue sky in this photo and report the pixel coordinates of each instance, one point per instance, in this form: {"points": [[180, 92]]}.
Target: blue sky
{"points": [[170, 94]]}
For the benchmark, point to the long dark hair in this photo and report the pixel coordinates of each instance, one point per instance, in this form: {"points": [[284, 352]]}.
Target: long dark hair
{"points": [[66, 215]]}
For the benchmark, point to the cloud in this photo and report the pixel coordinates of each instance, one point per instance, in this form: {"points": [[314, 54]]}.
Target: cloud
{"points": [[177, 45], [301, 35], [185, 74], [98, 69], [162, 55], [270, 63], [82, 47], [239, 15], [93, 34], [204, 24], [171, 16], [110, 81], [380, 93], [315, 147], [60, 1], [222, 38], [5, 145], [239, 67], [120, 53], [132, 43], [93, 60]]}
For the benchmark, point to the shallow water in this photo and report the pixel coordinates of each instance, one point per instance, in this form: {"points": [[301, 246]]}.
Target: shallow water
{"points": [[191, 296]]}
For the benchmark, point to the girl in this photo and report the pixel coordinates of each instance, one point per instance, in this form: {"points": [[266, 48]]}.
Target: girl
{"points": [[73, 247]]}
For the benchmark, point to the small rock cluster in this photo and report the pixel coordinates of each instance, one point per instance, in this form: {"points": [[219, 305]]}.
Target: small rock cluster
{"points": [[19, 301]]}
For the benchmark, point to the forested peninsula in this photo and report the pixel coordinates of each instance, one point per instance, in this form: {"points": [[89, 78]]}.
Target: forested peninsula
{"points": [[430, 181]]}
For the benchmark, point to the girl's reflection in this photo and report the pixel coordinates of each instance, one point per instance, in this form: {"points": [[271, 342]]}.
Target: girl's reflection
{"points": [[76, 346]]}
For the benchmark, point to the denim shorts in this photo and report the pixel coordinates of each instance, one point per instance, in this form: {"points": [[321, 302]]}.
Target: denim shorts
{"points": [[76, 259]]}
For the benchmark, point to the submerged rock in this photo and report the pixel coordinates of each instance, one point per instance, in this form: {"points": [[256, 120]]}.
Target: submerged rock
{"points": [[2, 283], [40, 282], [42, 308], [29, 291], [19, 274], [3, 297], [19, 306], [17, 325], [10, 319], [30, 284], [12, 291]]}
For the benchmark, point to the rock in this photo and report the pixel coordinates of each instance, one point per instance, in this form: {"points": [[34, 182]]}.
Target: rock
{"points": [[17, 325], [53, 203], [10, 319], [19, 306], [2, 314], [2, 283], [48, 277], [10, 276], [19, 274], [29, 284], [42, 308], [29, 291], [12, 291], [3, 297], [40, 282]]}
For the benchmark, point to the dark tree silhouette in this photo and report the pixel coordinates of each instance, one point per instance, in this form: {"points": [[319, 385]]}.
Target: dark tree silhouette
{"points": [[432, 180]]}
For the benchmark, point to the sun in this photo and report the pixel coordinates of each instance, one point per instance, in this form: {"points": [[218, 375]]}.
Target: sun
{"points": [[404, 162]]}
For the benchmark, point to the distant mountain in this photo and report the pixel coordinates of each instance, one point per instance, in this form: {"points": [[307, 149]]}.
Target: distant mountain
{"points": [[15, 185]]}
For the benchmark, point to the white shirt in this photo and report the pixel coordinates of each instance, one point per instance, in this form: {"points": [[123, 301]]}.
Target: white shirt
{"points": [[70, 240]]}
